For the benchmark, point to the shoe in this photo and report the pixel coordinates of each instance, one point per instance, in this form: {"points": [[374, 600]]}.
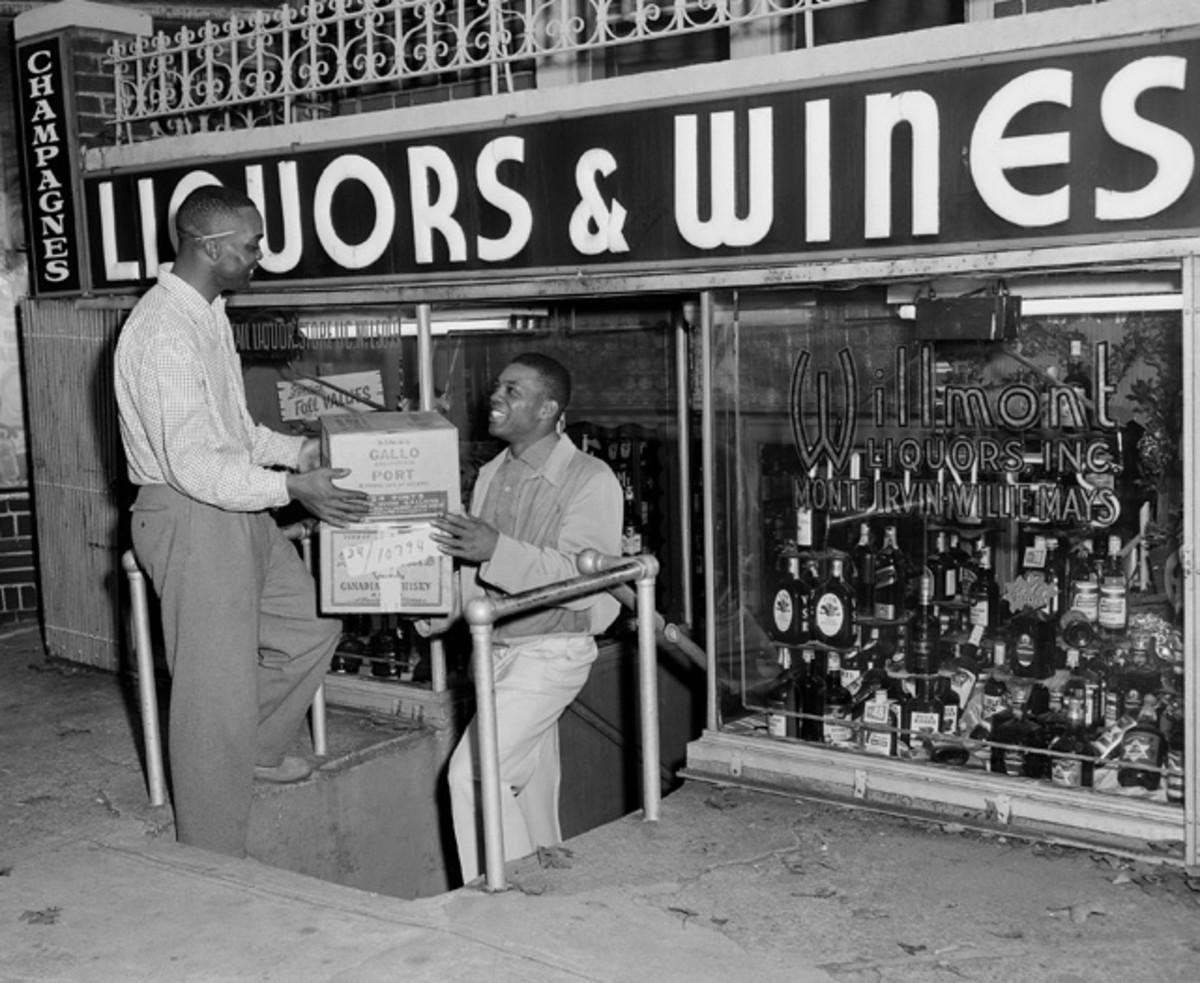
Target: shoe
{"points": [[289, 770]]}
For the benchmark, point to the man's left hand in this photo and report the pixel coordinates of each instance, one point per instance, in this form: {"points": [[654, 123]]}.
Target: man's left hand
{"points": [[465, 537]]}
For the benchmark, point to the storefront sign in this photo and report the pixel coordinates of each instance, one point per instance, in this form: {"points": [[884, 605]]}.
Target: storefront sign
{"points": [[45, 132], [944, 449], [1078, 146]]}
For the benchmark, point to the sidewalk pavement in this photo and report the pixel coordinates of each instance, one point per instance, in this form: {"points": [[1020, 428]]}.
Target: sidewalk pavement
{"points": [[731, 884]]}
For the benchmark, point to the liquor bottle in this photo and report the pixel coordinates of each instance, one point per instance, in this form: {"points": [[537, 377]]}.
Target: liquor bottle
{"points": [[951, 704], [810, 697], [1028, 650], [1143, 750], [631, 527], [1112, 566], [995, 687], [810, 526], [985, 593], [1016, 728], [788, 603], [862, 556], [921, 714], [964, 565], [832, 609], [891, 577], [1084, 586], [1054, 579], [839, 703], [1112, 613], [781, 698], [944, 569], [924, 630], [879, 720], [1073, 772]]}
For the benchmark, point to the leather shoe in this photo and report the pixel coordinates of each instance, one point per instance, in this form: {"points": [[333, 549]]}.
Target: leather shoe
{"points": [[290, 769]]}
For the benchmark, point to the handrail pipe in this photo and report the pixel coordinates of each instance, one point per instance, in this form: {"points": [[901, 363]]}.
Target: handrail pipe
{"points": [[598, 573]]}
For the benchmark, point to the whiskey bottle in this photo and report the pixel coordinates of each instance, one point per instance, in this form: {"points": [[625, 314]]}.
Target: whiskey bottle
{"points": [[810, 697], [921, 714], [879, 722], [862, 557], [839, 702], [995, 687], [781, 698], [944, 569], [891, 577], [924, 631], [985, 593], [810, 526], [789, 603], [1076, 771], [1143, 750], [833, 606]]}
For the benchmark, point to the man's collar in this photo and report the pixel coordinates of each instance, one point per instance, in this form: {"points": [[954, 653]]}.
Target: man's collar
{"points": [[188, 296], [547, 456]]}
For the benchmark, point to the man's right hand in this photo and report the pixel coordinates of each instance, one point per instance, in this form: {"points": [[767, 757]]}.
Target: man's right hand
{"points": [[316, 491]]}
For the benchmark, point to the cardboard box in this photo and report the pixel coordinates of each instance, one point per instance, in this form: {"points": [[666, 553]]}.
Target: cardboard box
{"points": [[383, 568], [406, 462]]}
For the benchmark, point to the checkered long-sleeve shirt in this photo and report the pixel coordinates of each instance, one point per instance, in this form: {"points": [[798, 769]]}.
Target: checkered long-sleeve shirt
{"points": [[182, 405]]}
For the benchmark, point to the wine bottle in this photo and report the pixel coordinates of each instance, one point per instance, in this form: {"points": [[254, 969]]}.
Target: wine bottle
{"points": [[833, 605]]}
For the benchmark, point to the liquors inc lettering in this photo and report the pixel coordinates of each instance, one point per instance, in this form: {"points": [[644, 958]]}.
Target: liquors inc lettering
{"points": [[952, 449]]}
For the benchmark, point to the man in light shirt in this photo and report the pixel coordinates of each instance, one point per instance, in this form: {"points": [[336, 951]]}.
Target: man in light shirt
{"points": [[536, 506], [244, 644]]}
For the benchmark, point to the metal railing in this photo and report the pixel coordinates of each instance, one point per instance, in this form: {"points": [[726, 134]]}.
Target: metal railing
{"points": [[272, 67], [598, 573]]}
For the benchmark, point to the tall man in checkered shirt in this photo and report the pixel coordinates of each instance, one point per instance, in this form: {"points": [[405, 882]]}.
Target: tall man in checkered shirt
{"points": [[244, 644]]}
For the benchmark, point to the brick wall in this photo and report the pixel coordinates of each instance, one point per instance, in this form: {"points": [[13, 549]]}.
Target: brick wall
{"points": [[18, 572]]}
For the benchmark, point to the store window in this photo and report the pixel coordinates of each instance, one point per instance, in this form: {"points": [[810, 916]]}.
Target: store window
{"points": [[948, 526]]}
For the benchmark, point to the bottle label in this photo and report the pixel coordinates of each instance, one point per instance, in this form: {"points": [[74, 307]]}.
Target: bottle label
{"points": [[885, 612], [979, 613], [1111, 612], [949, 583], [777, 724], [783, 611], [924, 720], [830, 615], [804, 527], [1067, 772], [885, 576], [1086, 600], [837, 733], [950, 719]]}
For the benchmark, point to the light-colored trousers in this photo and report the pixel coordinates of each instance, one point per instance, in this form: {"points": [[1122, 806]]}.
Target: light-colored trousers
{"points": [[536, 679], [245, 648]]}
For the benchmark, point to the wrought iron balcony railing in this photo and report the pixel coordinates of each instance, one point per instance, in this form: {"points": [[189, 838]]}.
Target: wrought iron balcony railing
{"points": [[296, 62]]}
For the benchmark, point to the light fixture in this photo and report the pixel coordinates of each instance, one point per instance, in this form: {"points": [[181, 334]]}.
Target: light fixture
{"points": [[360, 325], [1098, 304]]}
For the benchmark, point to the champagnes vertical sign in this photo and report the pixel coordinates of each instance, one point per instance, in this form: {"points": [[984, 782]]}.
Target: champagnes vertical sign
{"points": [[47, 132]]}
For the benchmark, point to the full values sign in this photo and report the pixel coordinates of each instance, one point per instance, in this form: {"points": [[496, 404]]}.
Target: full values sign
{"points": [[1080, 146]]}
